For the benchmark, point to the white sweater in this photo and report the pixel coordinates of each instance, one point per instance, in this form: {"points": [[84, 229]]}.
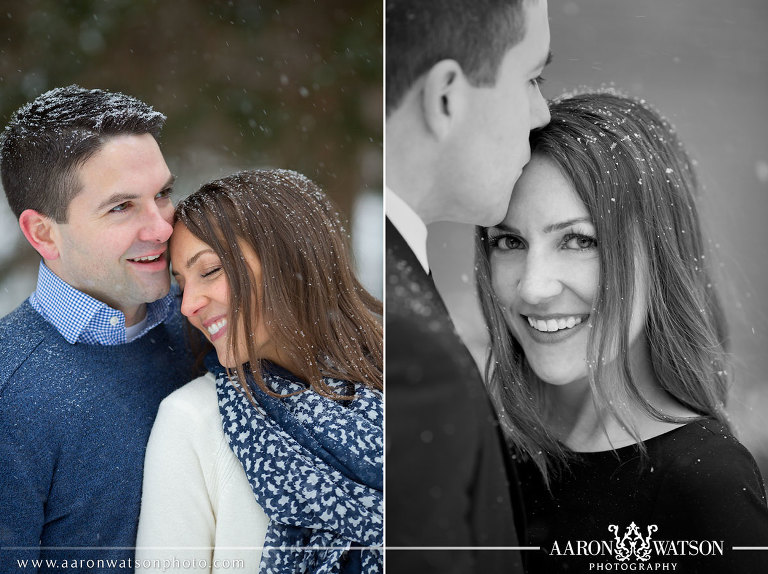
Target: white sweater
{"points": [[198, 513]]}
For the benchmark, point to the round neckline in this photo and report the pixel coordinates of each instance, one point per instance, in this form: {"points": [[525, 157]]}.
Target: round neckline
{"points": [[636, 446]]}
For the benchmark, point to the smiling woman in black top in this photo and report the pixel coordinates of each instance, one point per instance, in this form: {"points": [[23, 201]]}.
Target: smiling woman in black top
{"points": [[608, 353]]}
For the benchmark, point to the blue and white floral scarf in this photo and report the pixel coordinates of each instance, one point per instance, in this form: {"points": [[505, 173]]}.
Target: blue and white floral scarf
{"points": [[315, 466]]}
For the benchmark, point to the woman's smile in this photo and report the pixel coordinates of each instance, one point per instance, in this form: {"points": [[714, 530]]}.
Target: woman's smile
{"points": [[216, 327], [553, 328]]}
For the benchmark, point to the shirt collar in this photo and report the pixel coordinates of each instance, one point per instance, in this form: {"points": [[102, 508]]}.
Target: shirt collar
{"points": [[409, 225], [82, 319]]}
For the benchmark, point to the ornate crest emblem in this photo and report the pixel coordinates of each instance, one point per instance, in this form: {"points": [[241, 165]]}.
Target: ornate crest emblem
{"points": [[632, 543]]}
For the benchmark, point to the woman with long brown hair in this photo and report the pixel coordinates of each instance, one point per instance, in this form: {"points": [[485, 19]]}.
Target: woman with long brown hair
{"points": [[279, 446]]}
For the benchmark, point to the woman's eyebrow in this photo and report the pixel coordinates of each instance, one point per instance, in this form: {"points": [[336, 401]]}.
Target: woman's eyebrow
{"points": [[559, 226], [565, 224], [191, 261]]}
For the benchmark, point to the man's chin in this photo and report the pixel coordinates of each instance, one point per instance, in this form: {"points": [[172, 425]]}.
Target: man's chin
{"points": [[154, 293], [492, 216]]}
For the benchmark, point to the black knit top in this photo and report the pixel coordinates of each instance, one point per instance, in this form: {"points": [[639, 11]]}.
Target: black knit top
{"points": [[692, 504]]}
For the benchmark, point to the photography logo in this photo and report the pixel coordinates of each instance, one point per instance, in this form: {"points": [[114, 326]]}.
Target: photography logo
{"points": [[635, 549], [632, 544]]}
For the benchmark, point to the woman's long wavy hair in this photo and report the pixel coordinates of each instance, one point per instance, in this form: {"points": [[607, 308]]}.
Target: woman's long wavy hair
{"points": [[314, 308], [638, 184]]}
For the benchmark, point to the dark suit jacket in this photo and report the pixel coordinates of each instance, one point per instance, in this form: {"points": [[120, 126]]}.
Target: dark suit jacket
{"points": [[446, 467]]}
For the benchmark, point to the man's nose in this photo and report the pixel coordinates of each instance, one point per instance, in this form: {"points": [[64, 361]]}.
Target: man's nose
{"points": [[157, 224], [539, 112]]}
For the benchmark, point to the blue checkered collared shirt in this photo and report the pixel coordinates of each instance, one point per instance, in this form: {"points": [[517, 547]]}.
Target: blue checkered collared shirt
{"points": [[82, 319]]}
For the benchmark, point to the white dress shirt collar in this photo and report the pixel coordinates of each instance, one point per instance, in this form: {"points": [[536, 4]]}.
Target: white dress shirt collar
{"points": [[409, 224]]}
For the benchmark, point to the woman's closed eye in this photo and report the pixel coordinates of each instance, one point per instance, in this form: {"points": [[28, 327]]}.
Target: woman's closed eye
{"points": [[210, 272]]}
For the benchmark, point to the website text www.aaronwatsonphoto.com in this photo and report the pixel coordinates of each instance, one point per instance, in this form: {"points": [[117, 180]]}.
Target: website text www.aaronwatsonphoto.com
{"points": [[129, 565]]}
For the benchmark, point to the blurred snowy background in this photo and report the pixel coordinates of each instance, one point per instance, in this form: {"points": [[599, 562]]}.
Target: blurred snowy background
{"points": [[704, 65], [244, 84]]}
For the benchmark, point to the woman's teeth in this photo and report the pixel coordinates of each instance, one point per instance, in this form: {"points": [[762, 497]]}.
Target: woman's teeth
{"points": [[551, 325], [216, 327]]}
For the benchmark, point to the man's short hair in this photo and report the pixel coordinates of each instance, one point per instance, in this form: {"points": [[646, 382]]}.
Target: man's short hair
{"points": [[50, 137], [475, 33]]}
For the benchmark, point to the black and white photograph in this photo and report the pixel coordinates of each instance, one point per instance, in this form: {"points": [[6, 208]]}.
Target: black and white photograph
{"points": [[575, 322]]}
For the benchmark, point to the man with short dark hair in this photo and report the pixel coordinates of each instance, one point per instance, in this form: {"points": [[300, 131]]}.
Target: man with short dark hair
{"points": [[462, 97], [92, 352]]}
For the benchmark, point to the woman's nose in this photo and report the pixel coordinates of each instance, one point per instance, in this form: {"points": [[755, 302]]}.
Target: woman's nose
{"points": [[539, 281], [191, 302]]}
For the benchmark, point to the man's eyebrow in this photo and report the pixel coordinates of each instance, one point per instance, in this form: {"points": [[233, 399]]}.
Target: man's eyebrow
{"points": [[170, 182]]}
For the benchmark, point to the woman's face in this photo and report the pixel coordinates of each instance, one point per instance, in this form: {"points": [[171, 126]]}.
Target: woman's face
{"points": [[205, 293], [545, 272]]}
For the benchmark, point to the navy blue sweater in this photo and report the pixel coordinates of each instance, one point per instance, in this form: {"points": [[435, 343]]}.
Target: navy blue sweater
{"points": [[74, 423]]}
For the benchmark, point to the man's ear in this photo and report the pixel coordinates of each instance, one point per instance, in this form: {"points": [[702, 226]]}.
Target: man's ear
{"points": [[444, 97], [40, 231]]}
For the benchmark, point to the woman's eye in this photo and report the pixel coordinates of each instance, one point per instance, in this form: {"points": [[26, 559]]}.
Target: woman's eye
{"points": [[211, 272], [506, 242], [579, 242]]}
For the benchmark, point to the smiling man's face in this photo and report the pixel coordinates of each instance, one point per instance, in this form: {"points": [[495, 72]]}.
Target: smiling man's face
{"points": [[114, 242]]}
